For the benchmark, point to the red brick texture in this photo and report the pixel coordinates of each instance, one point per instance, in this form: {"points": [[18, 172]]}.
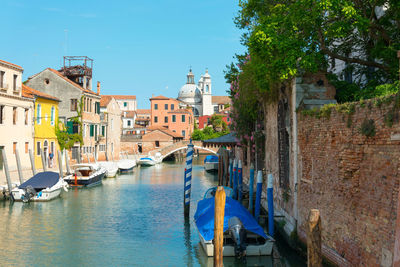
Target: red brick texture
{"points": [[353, 180]]}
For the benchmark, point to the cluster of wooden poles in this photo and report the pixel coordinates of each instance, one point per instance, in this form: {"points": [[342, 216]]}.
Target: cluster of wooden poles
{"points": [[32, 160]]}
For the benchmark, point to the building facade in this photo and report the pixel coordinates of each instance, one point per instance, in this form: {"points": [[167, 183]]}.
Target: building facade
{"points": [[16, 113], [125, 102], [75, 100], [173, 115]]}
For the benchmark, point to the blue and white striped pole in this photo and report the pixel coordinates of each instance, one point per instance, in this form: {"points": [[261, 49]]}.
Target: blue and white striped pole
{"points": [[251, 188], [258, 195], [230, 173], [270, 197], [235, 179], [240, 181], [188, 178]]}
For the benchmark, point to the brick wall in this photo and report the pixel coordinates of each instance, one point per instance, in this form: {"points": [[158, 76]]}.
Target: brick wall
{"points": [[354, 182]]}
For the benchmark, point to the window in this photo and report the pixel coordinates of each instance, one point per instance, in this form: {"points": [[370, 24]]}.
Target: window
{"points": [[183, 118], [74, 104], [173, 118], [15, 115], [97, 107], [166, 119], [15, 82], [26, 147], [216, 109], [155, 106], [172, 106], [91, 130], [1, 114], [14, 147], [39, 114], [52, 148], [90, 105], [2, 74], [156, 119], [53, 115], [38, 148], [183, 133], [26, 116], [166, 106], [103, 130], [227, 119], [125, 104], [157, 143], [207, 88], [129, 122]]}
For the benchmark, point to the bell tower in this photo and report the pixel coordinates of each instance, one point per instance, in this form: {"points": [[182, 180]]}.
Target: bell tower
{"points": [[207, 98]]}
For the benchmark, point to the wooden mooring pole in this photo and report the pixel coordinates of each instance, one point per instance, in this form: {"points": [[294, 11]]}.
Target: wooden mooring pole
{"points": [[219, 214], [43, 160], [60, 164], [19, 167], [314, 257], [6, 171], [32, 162], [67, 161]]}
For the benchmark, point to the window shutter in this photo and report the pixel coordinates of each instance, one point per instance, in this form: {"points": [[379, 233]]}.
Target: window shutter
{"points": [[91, 130], [70, 127]]}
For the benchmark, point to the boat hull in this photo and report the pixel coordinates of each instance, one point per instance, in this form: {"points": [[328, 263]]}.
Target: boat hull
{"points": [[44, 195], [146, 163], [229, 250], [127, 170], [94, 180], [211, 166], [111, 173]]}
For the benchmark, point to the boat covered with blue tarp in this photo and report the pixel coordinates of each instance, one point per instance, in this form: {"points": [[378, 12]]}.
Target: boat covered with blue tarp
{"points": [[41, 181], [211, 163]]}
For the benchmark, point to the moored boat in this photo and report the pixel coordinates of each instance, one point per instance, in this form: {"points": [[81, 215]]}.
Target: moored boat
{"points": [[111, 168], [126, 165], [147, 161], [211, 163], [243, 236], [86, 174], [43, 186]]}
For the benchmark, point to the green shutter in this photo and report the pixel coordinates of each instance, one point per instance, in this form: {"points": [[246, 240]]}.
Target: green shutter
{"points": [[91, 130], [70, 127], [98, 107]]}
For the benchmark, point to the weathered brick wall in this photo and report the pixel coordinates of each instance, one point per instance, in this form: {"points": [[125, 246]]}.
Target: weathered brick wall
{"points": [[353, 180]]}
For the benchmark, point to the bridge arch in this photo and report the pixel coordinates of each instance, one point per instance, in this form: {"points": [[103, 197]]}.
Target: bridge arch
{"points": [[183, 146]]}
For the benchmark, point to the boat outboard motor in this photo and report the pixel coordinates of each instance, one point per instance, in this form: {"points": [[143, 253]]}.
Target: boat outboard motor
{"points": [[29, 193], [238, 234]]}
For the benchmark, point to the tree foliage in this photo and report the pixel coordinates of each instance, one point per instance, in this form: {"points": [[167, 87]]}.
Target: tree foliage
{"points": [[217, 128]]}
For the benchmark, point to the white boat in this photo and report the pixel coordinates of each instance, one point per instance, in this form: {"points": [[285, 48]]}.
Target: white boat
{"points": [[43, 186], [86, 174], [211, 163], [147, 161], [243, 236], [111, 168], [126, 165]]}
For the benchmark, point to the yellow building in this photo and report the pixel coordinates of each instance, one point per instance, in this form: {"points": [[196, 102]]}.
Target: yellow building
{"points": [[45, 121]]}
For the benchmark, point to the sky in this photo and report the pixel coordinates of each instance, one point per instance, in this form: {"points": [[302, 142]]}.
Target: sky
{"points": [[140, 48]]}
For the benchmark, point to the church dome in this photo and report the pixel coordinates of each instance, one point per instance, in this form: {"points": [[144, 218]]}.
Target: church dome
{"points": [[190, 93]]}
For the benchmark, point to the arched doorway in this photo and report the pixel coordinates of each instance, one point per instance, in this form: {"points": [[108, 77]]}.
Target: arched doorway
{"points": [[46, 152]]}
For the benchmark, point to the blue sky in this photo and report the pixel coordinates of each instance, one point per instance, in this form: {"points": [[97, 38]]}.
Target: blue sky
{"points": [[139, 47]]}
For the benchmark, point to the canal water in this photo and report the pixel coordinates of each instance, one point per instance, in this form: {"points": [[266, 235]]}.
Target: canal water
{"points": [[132, 220]]}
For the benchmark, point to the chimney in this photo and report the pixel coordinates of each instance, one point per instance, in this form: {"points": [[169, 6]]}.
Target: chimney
{"points": [[98, 87]]}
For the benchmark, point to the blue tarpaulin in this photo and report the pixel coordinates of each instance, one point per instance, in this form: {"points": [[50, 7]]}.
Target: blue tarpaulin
{"points": [[211, 158], [42, 180], [204, 217]]}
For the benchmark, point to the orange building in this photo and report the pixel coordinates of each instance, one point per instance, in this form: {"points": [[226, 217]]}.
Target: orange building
{"points": [[172, 114]]}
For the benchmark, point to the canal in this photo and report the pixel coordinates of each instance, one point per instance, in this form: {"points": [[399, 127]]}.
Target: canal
{"points": [[132, 220]]}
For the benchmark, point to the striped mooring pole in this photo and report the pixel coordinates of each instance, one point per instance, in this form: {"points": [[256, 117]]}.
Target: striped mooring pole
{"points": [[188, 178], [258, 195], [251, 189], [270, 197]]}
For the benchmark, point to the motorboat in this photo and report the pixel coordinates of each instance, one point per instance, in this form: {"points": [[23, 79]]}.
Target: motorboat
{"points": [[126, 165], [243, 236], [211, 163], [111, 168], [86, 174], [147, 161], [43, 186]]}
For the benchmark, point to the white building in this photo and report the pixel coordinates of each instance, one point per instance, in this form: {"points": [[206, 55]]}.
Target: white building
{"points": [[126, 102]]}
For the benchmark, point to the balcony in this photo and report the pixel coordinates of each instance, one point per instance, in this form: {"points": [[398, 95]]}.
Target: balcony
{"points": [[4, 87]]}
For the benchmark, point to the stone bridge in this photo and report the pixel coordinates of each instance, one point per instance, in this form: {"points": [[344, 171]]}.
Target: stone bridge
{"points": [[166, 151]]}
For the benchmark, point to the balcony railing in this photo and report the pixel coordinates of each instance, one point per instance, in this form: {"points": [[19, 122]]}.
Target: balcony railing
{"points": [[4, 87]]}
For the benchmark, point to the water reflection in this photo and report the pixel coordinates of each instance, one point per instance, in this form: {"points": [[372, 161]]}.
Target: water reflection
{"points": [[132, 220]]}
